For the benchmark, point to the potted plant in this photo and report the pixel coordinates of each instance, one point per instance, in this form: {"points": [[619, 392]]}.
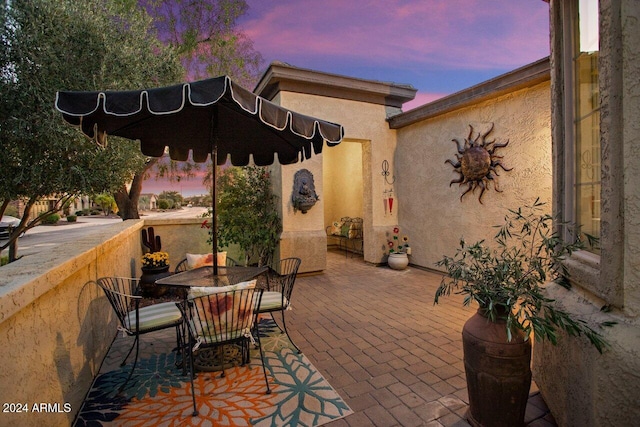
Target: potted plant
{"points": [[155, 266], [507, 282], [399, 250]]}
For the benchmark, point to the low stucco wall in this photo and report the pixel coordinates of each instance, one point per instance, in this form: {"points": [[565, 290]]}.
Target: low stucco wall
{"points": [[181, 236], [581, 386], [56, 323]]}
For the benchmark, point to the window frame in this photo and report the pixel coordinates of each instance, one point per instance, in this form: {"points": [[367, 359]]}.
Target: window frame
{"points": [[600, 276], [583, 266]]}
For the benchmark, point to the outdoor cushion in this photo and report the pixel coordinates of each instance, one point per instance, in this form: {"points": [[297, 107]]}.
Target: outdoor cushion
{"points": [[153, 316], [198, 291], [221, 317], [202, 260], [355, 230], [272, 301], [335, 229]]}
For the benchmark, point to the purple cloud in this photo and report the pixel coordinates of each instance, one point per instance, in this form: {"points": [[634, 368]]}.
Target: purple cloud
{"points": [[440, 34]]}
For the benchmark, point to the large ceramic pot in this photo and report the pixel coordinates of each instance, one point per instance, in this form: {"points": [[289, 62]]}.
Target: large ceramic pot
{"points": [[498, 373], [398, 260], [148, 281]]}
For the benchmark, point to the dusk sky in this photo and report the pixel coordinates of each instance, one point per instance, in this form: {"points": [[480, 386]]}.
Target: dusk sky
{"points": [[438, 46]]}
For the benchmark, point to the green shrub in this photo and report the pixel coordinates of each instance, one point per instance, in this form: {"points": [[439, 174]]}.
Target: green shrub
{"points": [[4, 260], [12, 211], [248, 214], [72, 218], [51, 219], [164, 204]]}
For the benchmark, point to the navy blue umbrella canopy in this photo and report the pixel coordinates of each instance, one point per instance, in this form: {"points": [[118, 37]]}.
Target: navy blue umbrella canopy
{"points": [[210, 117], [213, 114]]}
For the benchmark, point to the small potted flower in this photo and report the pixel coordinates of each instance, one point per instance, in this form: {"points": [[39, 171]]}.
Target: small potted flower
{"points": [[155, 266], [399, 250]]}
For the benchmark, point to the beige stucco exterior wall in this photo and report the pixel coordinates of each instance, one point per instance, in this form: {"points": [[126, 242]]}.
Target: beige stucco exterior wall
{"points": [[181, 236], [364, 123], [56, 324], [580, 386], [431, 212], [342, 168]]}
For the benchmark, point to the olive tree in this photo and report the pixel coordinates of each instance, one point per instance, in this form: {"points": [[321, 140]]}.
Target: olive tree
{"points": [[51, 45], [209, 43], [247, 213], [205, 34]]}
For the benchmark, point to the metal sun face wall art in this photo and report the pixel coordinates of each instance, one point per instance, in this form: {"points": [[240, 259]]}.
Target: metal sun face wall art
{"points": [[477, 162]]}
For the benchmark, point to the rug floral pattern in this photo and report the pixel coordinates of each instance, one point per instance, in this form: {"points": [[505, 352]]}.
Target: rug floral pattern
{"points": [[159, 393]]}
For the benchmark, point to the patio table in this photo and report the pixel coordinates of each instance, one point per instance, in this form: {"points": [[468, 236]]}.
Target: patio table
{"points": [[214, 359], [204, 276]]}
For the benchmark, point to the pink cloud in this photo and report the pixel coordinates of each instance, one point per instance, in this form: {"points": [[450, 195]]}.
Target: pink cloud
{"points": [[465, 34], [422, 99]]}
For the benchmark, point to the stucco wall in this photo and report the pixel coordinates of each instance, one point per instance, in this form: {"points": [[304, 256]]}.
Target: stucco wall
{"points": [[56, 324], [580, 386], [342, 168], [431, 212], [364, 123], [181, 236]]}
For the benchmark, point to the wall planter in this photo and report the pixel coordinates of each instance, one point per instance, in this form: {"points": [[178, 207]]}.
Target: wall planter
{"points": [[398, 260]]}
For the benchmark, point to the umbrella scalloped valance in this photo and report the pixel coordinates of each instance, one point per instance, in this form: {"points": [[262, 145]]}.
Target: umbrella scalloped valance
{"points": [[200, 117]]}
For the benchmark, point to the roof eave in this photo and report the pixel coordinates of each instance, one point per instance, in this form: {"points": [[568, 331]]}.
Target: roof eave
{"points": [[521, 78], [280, 77]]}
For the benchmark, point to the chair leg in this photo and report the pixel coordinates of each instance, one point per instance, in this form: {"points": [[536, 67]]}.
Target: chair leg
{"points": [[284, 324], [264, 369], [191, 374], [274, 321], [136, 343], [179, 349], [124, 361]]}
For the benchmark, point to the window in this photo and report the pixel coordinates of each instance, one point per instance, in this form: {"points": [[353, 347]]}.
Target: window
{"points": [[585, 119]]}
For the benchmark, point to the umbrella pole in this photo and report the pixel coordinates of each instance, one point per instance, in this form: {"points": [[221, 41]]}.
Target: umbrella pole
{"points": [[214, 202]]}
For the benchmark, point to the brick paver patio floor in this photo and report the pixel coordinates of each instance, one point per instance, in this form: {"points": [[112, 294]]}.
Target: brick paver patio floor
{"points": [[377, 337]]}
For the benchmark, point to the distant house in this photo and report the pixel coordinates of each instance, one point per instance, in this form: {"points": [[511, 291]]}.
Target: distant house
{"points": [[81, 203], [147, 202]]}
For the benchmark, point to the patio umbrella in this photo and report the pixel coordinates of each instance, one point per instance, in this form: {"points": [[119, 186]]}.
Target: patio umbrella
{"points": [[210, 117]]}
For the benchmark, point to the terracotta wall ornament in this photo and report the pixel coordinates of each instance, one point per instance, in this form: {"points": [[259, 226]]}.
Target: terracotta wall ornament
{"points": [[477, 162], [304, 191]]}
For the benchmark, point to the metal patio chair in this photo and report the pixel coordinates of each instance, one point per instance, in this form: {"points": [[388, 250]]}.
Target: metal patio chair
{"points": [[277, 296], [223, 316], [135, 320]]}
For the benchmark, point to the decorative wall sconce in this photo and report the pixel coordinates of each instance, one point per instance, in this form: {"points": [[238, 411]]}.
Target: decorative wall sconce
{"points": [[304, 195], [386, 173]]}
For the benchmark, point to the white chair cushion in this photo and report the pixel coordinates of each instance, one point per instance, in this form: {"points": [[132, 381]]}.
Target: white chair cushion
{"points": [[273, 301], [154, 316]]}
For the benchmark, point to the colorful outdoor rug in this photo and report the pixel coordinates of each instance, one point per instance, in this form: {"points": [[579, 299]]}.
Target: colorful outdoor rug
{"points": [[159, 394]]}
